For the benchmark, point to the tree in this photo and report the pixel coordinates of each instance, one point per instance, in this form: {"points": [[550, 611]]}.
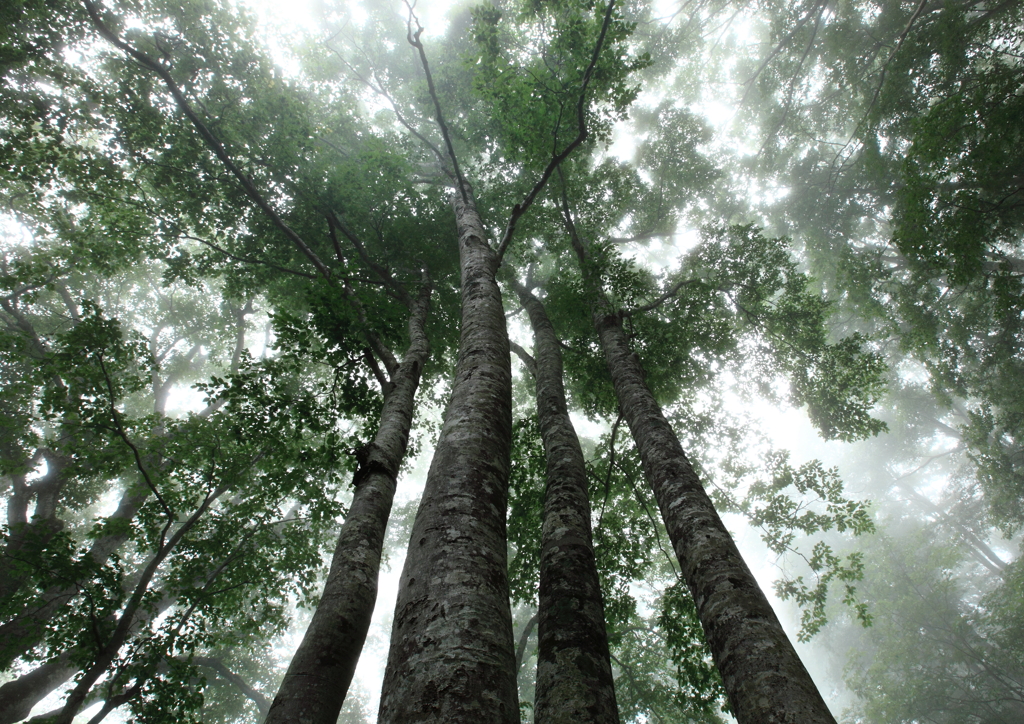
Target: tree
{"points": [[188, 150], [574, 675], [893, 129]]}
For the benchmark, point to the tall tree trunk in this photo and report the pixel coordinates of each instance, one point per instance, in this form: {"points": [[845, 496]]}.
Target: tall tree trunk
{"points": [[574, 673], [314, 687], [452, 657], [765, 679]]}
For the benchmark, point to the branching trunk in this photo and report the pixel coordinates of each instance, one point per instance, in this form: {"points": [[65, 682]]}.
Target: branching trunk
{"points": [[765, 679], [452, 658], [574, 675], [317, 680]]}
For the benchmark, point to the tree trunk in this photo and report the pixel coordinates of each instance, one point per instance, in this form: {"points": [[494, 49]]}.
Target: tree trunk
{"points": [[17, 697], [574, 674], [452, 657], [763, 676], [314, 687]]}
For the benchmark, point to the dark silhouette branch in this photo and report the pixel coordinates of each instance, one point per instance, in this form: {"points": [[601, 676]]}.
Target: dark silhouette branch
{"points": [[524, 639], [611, 468], [414, 41], [526, 357], [669, 294], [244, 260], [215, 664]]}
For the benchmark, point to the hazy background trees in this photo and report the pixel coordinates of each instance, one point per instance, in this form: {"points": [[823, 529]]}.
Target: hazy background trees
{"points": [[878, 146]]}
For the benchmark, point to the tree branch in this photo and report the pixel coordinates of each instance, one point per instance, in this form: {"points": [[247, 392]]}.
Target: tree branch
{"points": [[414, 41], [386, 278], [669, 294], [215, 664], [581, 106], [211, 140], [524, 638], [242, 259], [528, 360]]}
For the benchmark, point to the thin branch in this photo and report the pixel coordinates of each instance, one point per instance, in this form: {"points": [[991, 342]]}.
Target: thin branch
{"points": [[379, 90], [899, 44], [121, 433], [581, 106], [244, 260], [669, 294], [382, 272], [780, 46], [117, 638], [382, 379], [574, 237], [334, 239], [524, 638], [528, 360], [374, 340], [611, 467], [414, 41], [262, 703], [212, 142], [654, 525]]}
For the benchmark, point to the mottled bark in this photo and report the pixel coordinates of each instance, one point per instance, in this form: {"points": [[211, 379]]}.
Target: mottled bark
{"points": [[314, 687], [452, 658], [17, 697], [763, 676], [574, 674]]}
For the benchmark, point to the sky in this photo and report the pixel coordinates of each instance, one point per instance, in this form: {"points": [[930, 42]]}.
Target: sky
{"points": [[788, 428]]}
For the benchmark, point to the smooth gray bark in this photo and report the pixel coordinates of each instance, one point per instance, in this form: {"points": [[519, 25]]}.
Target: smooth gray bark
{"points": [[17, 697], [574, 674], [763, 675], [314, 687], [452, 656]]}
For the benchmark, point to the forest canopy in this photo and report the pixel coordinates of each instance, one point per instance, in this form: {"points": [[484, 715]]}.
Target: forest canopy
{"points": [[517, 307]]}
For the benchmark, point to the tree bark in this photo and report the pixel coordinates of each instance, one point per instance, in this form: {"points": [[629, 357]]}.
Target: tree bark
{"points": [[763, 676], [17, 697], [314, 687], [574, 674], [452, 657]]}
